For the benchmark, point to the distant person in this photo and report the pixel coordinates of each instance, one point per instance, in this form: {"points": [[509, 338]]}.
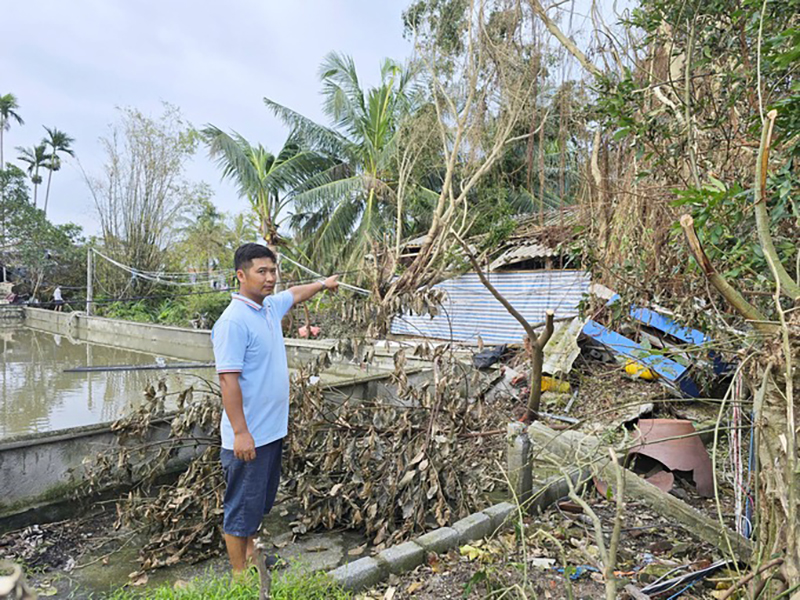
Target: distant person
{"points": [[58, 300], [254, 378]]}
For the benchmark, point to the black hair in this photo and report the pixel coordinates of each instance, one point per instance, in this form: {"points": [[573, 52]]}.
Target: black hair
{"points": [[247, 252]]}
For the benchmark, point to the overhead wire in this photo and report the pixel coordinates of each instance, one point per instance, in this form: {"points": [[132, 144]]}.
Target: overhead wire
{"points": [[158, 277], [341, 283], [146, 275], [140, 297]]}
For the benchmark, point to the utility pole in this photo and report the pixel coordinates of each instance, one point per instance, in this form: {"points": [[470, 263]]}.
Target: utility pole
{"points": [[89, 282]]}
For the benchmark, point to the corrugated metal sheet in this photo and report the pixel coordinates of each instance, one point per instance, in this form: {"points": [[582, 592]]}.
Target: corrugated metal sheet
{"points": [[521, 253], [468, 308]]}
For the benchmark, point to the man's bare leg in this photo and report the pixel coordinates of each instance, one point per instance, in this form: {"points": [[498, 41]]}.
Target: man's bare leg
{"points": [[237, 552]]}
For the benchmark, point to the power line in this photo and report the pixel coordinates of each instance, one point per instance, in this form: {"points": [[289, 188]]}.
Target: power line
{"points": [[146, 275], [165, 295], [307, 270]]}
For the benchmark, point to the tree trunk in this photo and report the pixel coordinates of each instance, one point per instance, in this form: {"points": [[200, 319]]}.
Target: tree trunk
{"points": [[37, 181], [776, 503], [47, 195]]}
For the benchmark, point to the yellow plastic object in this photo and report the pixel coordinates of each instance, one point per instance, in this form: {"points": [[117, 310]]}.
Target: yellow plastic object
{"points": [[554, 385], [635, 369]]}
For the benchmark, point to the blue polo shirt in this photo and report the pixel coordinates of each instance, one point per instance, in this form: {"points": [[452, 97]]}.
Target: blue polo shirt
{"points": [[248, 340]]}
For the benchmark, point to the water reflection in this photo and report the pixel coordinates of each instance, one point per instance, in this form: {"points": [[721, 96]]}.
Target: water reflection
{"points": [[38, 396]]}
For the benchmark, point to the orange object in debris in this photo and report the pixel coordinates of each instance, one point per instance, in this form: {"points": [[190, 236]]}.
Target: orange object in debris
{"points": [[635, 369]]}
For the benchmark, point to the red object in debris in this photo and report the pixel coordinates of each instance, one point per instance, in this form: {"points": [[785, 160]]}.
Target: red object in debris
{"points": [[302, 331], [663, 480], [315, 331], [686, 453], [519, 379]]}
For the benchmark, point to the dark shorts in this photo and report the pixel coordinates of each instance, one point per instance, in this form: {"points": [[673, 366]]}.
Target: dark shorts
{"points": [[250, 488]]}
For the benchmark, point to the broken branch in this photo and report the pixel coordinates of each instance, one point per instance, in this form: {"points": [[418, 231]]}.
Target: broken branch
{"points": [[537, 342], [787, 285], [734, 298], [747, 578], [565, 41]]}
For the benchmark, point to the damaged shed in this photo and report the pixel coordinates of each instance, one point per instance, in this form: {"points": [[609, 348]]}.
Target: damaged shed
{"points": [[469, 310]]}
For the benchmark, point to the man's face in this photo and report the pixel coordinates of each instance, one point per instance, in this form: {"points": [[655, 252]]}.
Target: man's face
{"points": [[258, 280]]}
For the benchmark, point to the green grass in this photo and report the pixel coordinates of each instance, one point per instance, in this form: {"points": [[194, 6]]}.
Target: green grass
{"points": [[293, 584]]}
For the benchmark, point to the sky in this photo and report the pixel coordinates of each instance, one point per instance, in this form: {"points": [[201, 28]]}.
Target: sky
{"points": [[70, 64]]}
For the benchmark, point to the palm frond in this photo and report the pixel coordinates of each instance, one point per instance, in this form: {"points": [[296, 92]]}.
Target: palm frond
{"points": [[340, 70], [523, 201], [328, 194], [314, 136], [333, 172], [234, 156], [8, 106], [292, 173], [58, 141], [333, 237]]}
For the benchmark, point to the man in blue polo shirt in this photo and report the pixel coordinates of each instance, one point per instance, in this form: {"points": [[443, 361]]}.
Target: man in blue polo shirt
{"points": [[254, 377]]}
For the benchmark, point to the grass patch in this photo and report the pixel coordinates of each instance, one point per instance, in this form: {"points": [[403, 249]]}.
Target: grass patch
{"points": [[293, 584]]}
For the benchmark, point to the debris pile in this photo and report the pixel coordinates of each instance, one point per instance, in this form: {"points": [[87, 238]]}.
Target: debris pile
{"points": [[396, 466], [389, 466]]}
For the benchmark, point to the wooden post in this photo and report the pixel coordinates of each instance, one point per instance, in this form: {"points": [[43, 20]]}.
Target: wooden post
{"points": [[537, 343], [89, 287]]}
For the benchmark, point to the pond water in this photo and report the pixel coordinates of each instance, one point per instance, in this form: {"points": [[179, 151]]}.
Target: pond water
{"points": [[36, 395]]}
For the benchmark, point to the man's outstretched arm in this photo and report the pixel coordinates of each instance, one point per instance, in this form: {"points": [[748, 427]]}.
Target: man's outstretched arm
{"points": [[301, 293]]}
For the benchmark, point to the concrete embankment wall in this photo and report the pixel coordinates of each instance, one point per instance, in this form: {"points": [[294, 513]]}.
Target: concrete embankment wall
{"points": [[177, 342], [11, 314], [182, 343], [44, 472], [41, 471]]}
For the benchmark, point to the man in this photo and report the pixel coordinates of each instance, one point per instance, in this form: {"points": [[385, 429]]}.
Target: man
{"points": [[254, 377], [58, 299]]}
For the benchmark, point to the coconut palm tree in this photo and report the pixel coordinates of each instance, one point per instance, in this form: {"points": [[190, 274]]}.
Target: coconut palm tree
{"points": [[342, 210], [8, 107], [36, 157], [261, 177], [57, 142]]}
